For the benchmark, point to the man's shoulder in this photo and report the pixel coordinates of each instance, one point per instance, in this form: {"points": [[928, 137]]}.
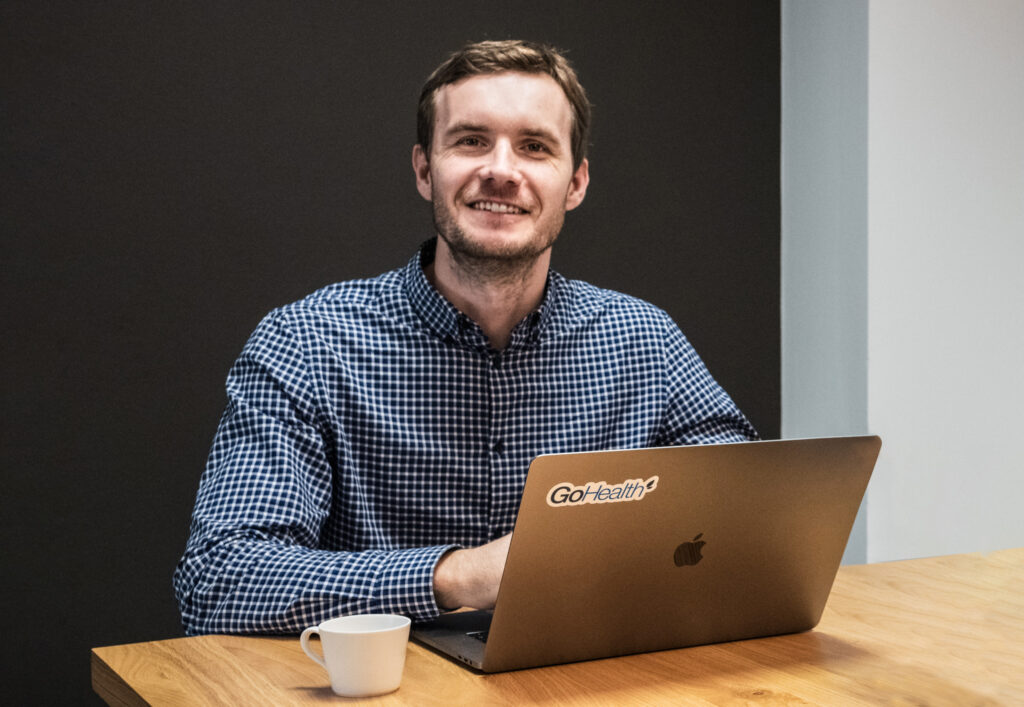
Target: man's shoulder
{"points": [[591, 303], [347, 303], [357, 293]]}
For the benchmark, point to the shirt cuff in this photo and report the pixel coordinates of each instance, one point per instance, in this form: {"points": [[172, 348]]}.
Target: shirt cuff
{"points": [[406, 586]]}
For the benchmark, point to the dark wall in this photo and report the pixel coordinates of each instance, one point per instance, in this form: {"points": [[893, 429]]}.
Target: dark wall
{"points": [[171, 171]]}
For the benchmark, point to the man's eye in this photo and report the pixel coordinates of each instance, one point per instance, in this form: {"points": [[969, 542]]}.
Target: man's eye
{"points": [[536, 147], [469, 141]]}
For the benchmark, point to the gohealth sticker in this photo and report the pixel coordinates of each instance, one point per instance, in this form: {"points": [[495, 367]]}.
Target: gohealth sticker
{"points": [[566, 494]]}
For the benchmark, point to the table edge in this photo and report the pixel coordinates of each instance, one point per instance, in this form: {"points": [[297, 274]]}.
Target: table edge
{"points": [[110, 686]]}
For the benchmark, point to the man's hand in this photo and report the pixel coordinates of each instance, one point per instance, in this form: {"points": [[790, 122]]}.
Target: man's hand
{"points": [[471, 577]]}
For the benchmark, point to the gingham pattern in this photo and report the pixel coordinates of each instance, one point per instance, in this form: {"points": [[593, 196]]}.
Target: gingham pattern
{"points": [[370, 428]]}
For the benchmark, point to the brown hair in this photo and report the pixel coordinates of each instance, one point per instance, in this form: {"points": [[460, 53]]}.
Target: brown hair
{"points": [[493, 57]]}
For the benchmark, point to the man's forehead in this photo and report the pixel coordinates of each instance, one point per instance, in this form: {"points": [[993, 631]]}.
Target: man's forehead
{"points": [[506, 97]]}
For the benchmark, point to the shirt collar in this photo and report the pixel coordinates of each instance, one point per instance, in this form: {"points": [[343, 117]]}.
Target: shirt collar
{"points": [[448, 323]]}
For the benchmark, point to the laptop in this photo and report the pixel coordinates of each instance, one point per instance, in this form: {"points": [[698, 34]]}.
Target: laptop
{"points": [[632, 551]]}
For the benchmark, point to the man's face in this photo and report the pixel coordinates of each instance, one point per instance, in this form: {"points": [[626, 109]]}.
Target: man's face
{"points": [[500, 170]]}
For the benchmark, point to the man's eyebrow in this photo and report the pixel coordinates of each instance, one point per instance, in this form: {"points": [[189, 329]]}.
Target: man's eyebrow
{"points": [[465, 128], [543, 134]]}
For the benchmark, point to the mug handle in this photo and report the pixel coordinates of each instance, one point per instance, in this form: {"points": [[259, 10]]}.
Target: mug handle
{"points": [[304, 642]]}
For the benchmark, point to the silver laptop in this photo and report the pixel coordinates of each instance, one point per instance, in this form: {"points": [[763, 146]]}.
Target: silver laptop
{"points": [[643, 550]]}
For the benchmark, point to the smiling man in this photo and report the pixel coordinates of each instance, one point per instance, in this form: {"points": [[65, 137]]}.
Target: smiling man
{"points": [[501, 175], [377, 433]]}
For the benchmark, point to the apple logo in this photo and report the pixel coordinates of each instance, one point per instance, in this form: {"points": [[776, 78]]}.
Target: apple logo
{"points": [[689, 553]]}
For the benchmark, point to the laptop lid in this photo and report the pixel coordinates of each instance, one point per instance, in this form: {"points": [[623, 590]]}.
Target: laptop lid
{"points": [[639, 550]]}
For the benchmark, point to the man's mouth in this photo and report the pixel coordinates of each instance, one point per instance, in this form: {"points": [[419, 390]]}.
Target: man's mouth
{"points": [[497, 208]]}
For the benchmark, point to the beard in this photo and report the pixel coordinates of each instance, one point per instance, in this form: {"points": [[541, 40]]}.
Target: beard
{"points": [[493, 263]]}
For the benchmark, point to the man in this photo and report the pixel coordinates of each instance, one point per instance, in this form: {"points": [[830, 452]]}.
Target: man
{"points": [[378, 432]]}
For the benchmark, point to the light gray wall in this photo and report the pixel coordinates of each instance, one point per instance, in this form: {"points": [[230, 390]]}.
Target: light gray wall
{"points": [[824, 224], [946, 274], [902, 243]]}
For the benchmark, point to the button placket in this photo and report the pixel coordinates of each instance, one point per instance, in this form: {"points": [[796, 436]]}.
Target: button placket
{"points": [[498, 383]]}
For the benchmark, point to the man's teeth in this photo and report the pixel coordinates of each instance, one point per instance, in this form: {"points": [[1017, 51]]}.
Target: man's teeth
{"points": [[497, 208]]}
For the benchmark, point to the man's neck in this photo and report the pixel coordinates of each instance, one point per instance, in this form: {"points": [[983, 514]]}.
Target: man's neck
{"points": [[496, 299]]}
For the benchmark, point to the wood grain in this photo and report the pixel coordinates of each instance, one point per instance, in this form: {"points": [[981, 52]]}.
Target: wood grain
{"points": [[935, 631]]}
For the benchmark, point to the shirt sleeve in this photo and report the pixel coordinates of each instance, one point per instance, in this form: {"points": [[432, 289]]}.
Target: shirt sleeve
{"points": [[698, 410], [253, 562]]}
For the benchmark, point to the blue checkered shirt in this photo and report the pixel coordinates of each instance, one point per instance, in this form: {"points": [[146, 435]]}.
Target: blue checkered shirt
{"points": [[370, 428]]}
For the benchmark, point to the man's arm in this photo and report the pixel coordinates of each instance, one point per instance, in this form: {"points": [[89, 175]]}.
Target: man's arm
{"points": [[698, 410], [470, 578], [253, 563]]}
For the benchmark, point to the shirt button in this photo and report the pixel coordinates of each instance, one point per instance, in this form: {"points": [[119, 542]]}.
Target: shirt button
{"points": [[498, 447]]}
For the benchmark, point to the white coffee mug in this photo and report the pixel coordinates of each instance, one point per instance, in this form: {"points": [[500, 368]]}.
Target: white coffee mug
{"points": [[364, 655]]}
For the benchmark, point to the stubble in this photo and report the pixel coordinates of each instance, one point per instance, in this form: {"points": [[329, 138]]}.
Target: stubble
{"points": [[489, 264]]}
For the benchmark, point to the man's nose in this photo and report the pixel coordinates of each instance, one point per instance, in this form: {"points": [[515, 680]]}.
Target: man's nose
{"points": [[502, 164]]}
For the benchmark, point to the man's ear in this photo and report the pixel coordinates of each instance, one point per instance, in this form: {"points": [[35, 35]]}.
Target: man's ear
{"points": [[578, 186], [421, 166]]}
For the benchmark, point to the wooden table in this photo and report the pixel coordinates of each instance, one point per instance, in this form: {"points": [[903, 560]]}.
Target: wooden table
{"points": [[943, 630]]}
